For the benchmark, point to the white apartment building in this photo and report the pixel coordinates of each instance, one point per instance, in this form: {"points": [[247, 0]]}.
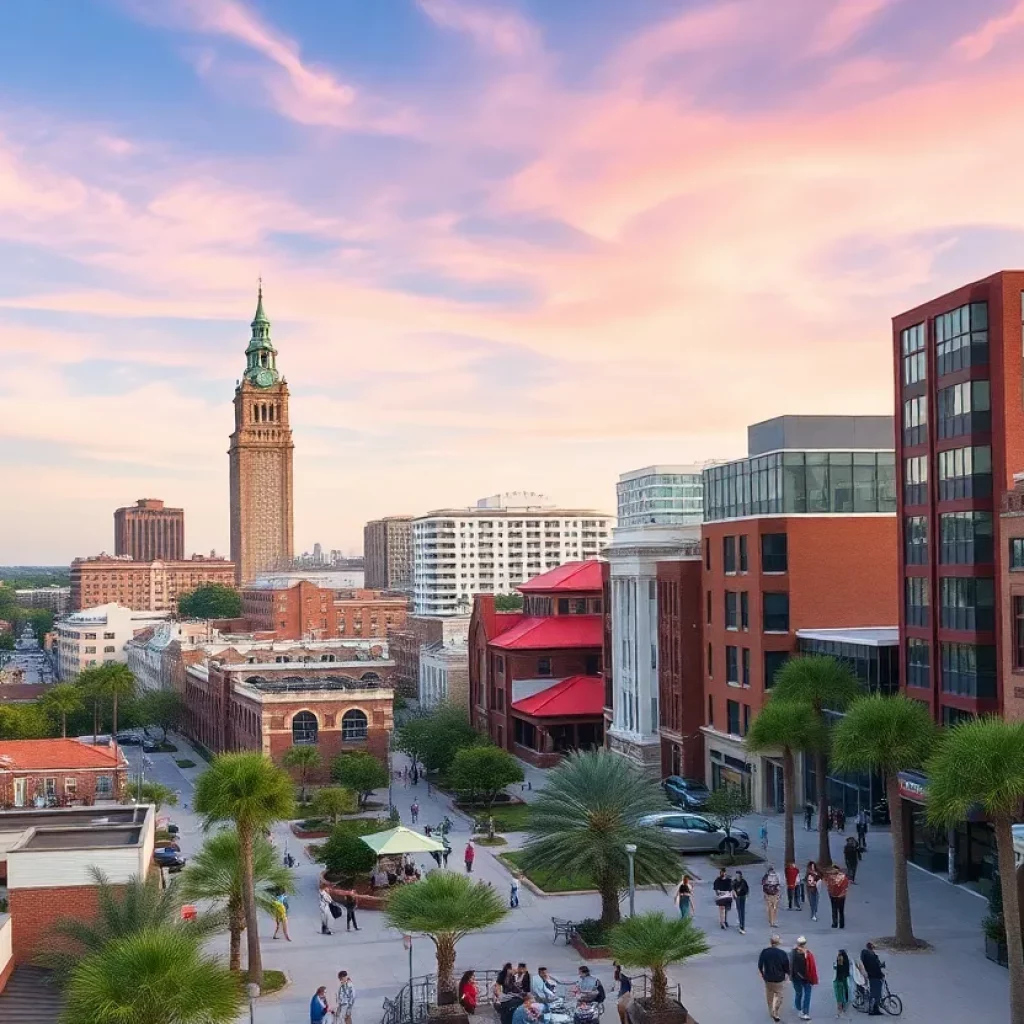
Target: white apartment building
{"points": [[97, 636], [444, 674], [661, 495], [504, 541]]}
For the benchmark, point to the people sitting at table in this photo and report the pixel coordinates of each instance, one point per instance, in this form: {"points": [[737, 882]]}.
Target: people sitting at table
{"points": [[503, 985], [543, 987], [528, 1012], [378, 878], [521, 979], [589, 988]]}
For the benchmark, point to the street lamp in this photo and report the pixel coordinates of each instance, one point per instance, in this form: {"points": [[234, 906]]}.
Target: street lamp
{"points": [[631, 853], [252, 990]]}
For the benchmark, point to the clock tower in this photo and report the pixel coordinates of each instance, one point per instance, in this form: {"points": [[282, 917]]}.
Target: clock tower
{"points": [[260, 461]]}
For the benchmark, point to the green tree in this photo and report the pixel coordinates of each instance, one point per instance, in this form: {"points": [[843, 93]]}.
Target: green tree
{"points": [[304, 760], [164, 709], [153, 793], [210, 601], [823, 684], [413, 737], [445, 907], [40, 619], [152, 977], [788, 727], [24, 722], [725, 806], [6, 641], [484, 771], [655, 942], [116, 682], [345, 855], [60, 701], [981, 763], [508, 602], [447, 732], [334, 801], [586, 814], [361, 772], [215, 874], [254, 793], [887, 735]]}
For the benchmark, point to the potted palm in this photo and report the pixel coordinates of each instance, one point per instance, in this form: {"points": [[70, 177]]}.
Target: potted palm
{"points": [[654, 942]]}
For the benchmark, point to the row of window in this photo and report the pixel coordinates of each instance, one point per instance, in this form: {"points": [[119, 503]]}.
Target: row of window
{"points": [[962, 473], [736, 556], [964, 408], [305, 727], [965, 538], [967, 670], [961, 341], [965, 602], [737, 666]]}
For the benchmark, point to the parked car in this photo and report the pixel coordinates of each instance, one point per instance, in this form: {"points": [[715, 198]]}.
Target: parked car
{"points": [[690, 833], [685, 793], [165, 857], [150, 746], [128, 739]]}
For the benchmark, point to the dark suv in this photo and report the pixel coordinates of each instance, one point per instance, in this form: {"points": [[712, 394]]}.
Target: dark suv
{"points": [[686, 793]]}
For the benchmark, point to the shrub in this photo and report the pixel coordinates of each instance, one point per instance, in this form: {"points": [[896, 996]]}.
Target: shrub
{"points": [[345, 855], [184, 762]]}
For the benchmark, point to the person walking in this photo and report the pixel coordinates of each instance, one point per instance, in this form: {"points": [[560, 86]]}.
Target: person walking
{"points": [[470, 856], [862, 829], [318, 1006], [279, 908], [623, 991], [792, 874], [446, 851], [851, 855], [513, 894], [415, 811], [723, 896], [346, 999], [812, 880], [771, 887], [773, 966], [874, 971], [840, 819], [841, 983], [837, 884], [808, 815], [740, 892], [325, 913], [350, 912], [804, 974], [684, 897]]}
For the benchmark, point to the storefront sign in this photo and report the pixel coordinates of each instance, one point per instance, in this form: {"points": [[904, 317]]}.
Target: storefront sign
{"points": [[912, 786]]}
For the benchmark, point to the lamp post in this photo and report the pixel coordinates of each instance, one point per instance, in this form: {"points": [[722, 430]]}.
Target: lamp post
{"points": [[631, 853], [252, 990]]}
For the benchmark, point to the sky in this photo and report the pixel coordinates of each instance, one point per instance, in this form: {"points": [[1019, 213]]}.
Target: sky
{"points": [[505, 244]]}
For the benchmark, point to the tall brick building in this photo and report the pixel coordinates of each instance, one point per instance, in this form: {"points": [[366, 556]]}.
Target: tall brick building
{"points": [[260, 461], [143, 586], [147, 531]]}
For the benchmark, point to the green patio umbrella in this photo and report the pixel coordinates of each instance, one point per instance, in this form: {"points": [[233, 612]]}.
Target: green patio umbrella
{"points": [[401, 840]]}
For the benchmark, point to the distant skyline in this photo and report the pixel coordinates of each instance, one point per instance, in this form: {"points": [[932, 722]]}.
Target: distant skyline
{"points": [[505, 244]]}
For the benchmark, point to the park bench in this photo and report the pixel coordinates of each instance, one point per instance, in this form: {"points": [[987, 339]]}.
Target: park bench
{"points": [[563, 929]]}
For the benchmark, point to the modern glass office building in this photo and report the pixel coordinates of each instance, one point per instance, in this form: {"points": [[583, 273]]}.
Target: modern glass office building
{"points": [[667, 495]]}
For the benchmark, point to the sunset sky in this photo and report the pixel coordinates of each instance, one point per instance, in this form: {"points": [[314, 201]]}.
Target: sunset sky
{"points": [[505, 244]]}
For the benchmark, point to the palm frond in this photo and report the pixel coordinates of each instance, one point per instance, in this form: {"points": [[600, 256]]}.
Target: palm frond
{"points": [[445, 903], [246, 788], [783, 723], [817, 680], [655, 942], [883, 734]]}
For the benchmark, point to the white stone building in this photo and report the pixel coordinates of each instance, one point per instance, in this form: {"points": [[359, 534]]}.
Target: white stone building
{"points": [[98, 636], [444, 674]]}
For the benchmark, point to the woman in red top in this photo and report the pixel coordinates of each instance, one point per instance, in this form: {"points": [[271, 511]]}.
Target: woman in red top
{"points": [[467, 992], [792, 874]]}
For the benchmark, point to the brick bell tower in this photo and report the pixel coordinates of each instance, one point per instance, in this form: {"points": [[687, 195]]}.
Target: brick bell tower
{"points": [[260, 460]]}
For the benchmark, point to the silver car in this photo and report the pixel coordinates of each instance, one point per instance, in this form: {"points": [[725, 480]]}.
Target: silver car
{"points": [[690, 833]]}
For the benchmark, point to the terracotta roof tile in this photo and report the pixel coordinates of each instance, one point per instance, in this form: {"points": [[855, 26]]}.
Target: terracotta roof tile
{"points": [[33, 755]]}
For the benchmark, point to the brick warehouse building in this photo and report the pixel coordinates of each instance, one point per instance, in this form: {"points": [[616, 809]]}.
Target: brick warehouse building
{"points": [[801, 534], [1011, 594], [535, 677]]}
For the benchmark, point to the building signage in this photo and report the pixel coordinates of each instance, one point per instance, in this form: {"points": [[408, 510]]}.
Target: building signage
{"points": [[912, 787]]}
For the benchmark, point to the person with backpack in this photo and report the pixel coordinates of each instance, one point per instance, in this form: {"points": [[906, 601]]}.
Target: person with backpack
{"points": [[325, 913], [804, 974], [771, 887]]}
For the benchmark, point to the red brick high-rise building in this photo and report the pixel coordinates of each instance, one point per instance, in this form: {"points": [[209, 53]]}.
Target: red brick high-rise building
{"points": [[149, 532]]}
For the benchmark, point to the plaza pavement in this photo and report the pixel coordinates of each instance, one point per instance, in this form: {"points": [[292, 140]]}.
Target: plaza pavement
{"points": [[952, 982]]}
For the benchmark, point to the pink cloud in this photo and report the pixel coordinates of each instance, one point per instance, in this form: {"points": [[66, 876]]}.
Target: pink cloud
{"points": [[845, 21], [980, 42], [493, 29]]}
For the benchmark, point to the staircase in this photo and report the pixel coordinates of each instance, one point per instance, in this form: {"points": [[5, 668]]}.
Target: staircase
{"points": [[29, 998]]}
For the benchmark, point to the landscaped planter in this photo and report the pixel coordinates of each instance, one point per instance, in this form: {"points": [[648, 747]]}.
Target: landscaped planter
{"points": [[640, 1012], [589, 952], [301, 833], [997, 952], [339, 892]]}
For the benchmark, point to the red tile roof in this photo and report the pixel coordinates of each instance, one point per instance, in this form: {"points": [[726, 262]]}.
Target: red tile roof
{"points": [[14, 693], [506, 620], [49, 755], [573, 577], [577, 696], [551, 633]]}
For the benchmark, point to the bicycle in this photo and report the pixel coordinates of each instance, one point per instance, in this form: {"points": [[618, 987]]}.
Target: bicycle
{"points": [[890, 1003]]}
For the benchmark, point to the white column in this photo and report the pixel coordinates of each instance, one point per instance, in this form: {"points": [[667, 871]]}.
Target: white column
{"points": [[645, 622]]}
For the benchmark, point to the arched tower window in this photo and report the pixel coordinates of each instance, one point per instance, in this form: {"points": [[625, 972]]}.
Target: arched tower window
{"points": [[304, 728], [353, 725]]}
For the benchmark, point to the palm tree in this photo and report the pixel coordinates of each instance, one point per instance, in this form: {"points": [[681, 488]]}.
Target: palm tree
{"points": [[215, 873], [121, 911], [824, 684], [254, 793], [305, 759], [445, 907], [334, 801], [655, 942], [116, 681], [589, 810], [887, 735], [62, 700], [981, 762], [154, 976], [786, 726], [154, 793], [90, 683]]}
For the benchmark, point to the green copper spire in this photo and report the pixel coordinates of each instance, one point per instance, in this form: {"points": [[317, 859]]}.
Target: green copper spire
{"points": [[261, 356]]}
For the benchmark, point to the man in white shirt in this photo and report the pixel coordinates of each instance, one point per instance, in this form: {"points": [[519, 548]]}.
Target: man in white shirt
{"points": [[543, 987]]}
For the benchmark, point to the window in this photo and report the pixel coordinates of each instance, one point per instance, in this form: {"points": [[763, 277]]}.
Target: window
{"points": [[90, 650], [50, 787], [965, 538], [965, 473], [961, 338], [965, 409], [104, 785], [773, 661], [1016, 552], [543, 666], [304, 729], [775, 612], [729, 554], [744, 555], [954, 716], [592, 665], [109, 636], [969, 670], [915, 420], [711, 710], [563, 606], [915, 540], [708, 602], [746, 719], [1018, 632], [774, 552], [707, 553], [746, 668], [967, 602], [916, 600], [70, 786], [744, 610], [918, 663], [353, 725], [915, 480], [912, 346], [499, 663], [710, 663], [731, 610], [110, 650], [732, 674], [732, 715]]}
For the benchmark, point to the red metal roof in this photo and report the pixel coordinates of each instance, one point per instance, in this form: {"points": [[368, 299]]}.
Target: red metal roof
{"points": [[50, 755], [573, 577], [551, 633], [577, 696]]}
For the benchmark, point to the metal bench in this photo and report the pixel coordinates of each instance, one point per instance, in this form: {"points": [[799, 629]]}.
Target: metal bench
{"points": [[563, 929]]}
